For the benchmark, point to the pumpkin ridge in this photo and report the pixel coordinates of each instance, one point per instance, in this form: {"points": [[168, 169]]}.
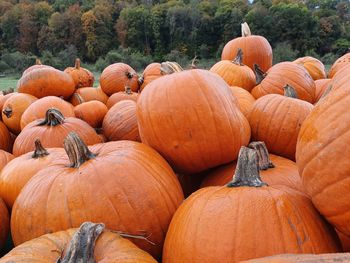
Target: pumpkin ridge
{"points": [[260, 121]]}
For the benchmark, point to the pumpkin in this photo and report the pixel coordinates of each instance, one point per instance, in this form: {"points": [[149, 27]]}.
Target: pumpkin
{"points": [[235, 222], [4, 223], [90, 243], [323, 161], [20, 170], [315, 67], [46, 81], [321, 86], [256, 49], [274, 170], [120, 122], [338, 64], [51, 131], [82, 77], [121, 95], [13, 109], [244, 99], [190, 182], [303, 258], [38, 109], [91, 112], [115, 77], [235, 73], [342, 78], [87, 94], [165, 114], [276, 120], [4, 98], [282, 74], [5, 157], [122, 183], [38, 65], [345, 241], [5, 137]]}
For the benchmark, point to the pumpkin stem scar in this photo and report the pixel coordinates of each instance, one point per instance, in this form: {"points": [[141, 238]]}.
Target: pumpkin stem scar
{"points": [[247, 171], [7, 111], [53, 117], [263, 155], [81, 247]]}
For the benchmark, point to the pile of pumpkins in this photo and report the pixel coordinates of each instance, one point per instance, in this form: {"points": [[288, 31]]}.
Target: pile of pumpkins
{"points": [[243, 161]]}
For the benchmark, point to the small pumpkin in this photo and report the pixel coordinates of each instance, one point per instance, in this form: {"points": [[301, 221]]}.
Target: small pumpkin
{"points": [[92, 112], [4, 224], [13, 110], [120, 122], [5, 138], [244, 99], [82, 77], [88, 94], [315, 67], [5, 157], [321, 86], [128, 94], [338, 64], [38, 65]]}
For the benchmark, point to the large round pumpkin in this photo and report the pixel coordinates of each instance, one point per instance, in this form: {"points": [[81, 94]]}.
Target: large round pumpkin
{"points": [[91, 112], [338, 64], [4, 223], [38, 65], [321, 87], [5, 137], [5, 157], [342, 78], [38, 109], [244, 99], [282, 74], [315, 67], [82, 77], [244, 220], [323, 158], [90, 243], [150, 73], [256, 48], [46, 82], [180, 114], [126, 185], [87, 94], [128, 94], [51, 131], [116, 77]]}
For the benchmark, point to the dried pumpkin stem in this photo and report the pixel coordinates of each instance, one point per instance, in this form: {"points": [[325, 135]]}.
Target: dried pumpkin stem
{"points": [[247, 170], [193, 63], [128, 90], [39, 151], [167, 68], [245, 30], [53, 117], [81, 247], [7, 111], [239, 58], [290, 92], [77, 151], [38, 62], [77, 63], [259, 74], [140, 80], [8, 91], [263, 155]]}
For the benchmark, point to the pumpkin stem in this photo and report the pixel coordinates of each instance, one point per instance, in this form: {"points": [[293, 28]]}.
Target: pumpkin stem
{"points": [[81, 247], [129, 75], [247, 170], [263, 155], [140, 80], [245, 30], [53, 117], [193, 63], [290, 92], [239, 57], [77, 151], [79, 98], [77, 63], [259, 74], [128, 90], [8, 91], [39, 151], [38, 61], [169, 68], [7, 111]]}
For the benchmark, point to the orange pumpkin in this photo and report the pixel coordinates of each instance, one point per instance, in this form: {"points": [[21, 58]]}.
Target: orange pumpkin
{"points": [[91, 112], [321, 86], [51, 131], [150, 73], [338, 64], [282, 74], [342, 78], [13, 109], [244, 99], [82, 77], [46, 82], [315, 67], [106, 178], [165, 113], [20, 170], [122, 95], [87, 94], [276, 120], [4, 224], [257, 49], [38, 109], [5, 137], [120, 122], [5, 157], [115, 77], [90, 243], [303, 258], [345, 241], [37, 65], [4, 98]]}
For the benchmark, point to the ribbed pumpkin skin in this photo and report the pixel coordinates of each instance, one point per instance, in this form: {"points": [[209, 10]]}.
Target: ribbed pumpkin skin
{"points": [[119, 96], [4, 223], [91, 112], [323, 158], [338, 64], [321, 87], [285, 73], [46, 82], [114, 78], [37, 109], [256, 50], [235, 75], [120, 122], [315, 67], [35, 67], [109, 247], [276, 120], [20, 170], [304, 258], [150, 73], [5, 137], [342, 78], [178, 114], [5, 157], [129, 187], [285, 173], [4, 98], [245, 100], [53, 136], [88, 94], [17, 104], [230, 225]]}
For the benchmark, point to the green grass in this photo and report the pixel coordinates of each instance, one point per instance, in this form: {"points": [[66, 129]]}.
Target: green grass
{"points": [[8, 82]]}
